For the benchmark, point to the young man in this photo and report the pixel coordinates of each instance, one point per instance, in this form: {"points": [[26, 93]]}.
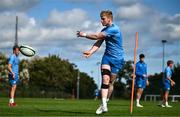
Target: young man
{"points": [[113, 58], [141, 78], [167, 83], [13, 68]]}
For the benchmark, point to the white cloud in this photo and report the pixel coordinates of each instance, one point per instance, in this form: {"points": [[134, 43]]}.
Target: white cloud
{"points": [[55, 37], [72, 17], [126, 2], [153, 26], [83, 1], [134, 11], [57, 33], [19, 5], [175, 31]]}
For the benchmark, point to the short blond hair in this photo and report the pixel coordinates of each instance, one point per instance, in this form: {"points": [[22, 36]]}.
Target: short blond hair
{"points": [[107, 13]]}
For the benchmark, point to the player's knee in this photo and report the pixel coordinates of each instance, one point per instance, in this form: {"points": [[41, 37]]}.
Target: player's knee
{"points": [[105, 80], [106, 76]]}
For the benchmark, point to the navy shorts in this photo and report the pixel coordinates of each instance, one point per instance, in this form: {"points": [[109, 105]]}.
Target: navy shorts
{"points": [[115, 64], [13, 81], [166, 86], [140, 83]]}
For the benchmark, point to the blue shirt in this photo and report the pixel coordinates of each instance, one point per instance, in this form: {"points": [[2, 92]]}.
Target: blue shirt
{"points": [[14, 61], [113, 39], [167, 74], [141, 69]]}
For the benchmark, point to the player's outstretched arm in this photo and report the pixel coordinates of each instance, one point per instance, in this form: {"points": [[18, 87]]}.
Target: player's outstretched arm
{"points": [[94, 48], [99, 36]]}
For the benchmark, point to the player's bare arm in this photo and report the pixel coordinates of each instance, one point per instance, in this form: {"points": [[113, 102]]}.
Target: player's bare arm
{"points": [[99, 36], [94, 48], [172, 82], [147, 82], [10, 70]]}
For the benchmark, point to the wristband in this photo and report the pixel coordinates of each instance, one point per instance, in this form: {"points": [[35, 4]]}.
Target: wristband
{"points": [[84, 34]]}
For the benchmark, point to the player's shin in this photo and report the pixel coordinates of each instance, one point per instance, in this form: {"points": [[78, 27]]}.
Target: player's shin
{"points": [[104, 94], [110, 90]]}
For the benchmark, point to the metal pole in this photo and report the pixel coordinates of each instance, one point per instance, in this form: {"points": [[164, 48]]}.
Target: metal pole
{"points": [[163, 61], [16, 33], [78, 80]]}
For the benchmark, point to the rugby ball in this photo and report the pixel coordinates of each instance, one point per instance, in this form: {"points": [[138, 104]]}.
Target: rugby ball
{"points": [[27, 50]]}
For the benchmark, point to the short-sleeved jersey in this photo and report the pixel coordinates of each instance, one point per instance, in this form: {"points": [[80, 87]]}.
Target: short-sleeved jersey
{"points": [[167, 74], [141, 69], [113, 39], [14, 61]]}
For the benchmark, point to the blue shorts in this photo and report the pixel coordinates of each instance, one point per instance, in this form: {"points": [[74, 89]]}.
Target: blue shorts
{"points": [[140, 83], [166, 86], [115, 64], [13, 81]]}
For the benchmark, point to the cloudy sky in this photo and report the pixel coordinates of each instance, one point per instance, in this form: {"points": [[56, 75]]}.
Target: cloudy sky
{"points": [[50, 26]]}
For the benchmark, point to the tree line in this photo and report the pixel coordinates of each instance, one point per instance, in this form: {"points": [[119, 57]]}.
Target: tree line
{"points": [[54, 77], [50, 77]]}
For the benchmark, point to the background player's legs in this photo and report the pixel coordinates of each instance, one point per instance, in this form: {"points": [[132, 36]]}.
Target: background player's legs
{"points": [[111, 85], [12, 93], [166, 95], [138, 96], [161, 103]]}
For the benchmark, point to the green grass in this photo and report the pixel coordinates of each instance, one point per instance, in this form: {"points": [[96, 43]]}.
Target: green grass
{"points": [[55, 107]]}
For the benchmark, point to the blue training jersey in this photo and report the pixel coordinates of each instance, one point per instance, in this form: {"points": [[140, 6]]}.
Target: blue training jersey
{"points": [[113, 40], [14, 61], [167, 73], [141, 69]]}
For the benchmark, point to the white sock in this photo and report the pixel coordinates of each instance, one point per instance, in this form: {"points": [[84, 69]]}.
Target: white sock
{"points": [[11, 100], [104, 103], [137, 101], [166, 103], [107, 99]]}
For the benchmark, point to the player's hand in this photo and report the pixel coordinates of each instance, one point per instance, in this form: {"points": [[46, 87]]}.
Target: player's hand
{"points": [[133, 76], [172, 83], [81, 34], [13, 75], [147, 82], [87, 54]]}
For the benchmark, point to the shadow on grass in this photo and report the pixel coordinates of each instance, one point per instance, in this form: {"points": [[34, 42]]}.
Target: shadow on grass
{"points": [[67, 112]]}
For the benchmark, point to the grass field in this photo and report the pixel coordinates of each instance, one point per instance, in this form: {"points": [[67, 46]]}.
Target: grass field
{"points": [[57, 107]]}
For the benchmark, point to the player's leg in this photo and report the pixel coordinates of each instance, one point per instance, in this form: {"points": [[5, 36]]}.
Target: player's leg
{"points": [[138, 97], [116, 66], [11, 95], [162, 94], [111, 85], [12, 91], [104, 88], [166, 94], [105, 83], [139, 91]]}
